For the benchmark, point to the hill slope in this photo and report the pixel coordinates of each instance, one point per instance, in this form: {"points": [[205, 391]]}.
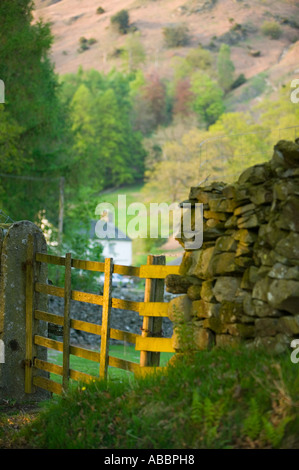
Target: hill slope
{"points": [[210, 22]]}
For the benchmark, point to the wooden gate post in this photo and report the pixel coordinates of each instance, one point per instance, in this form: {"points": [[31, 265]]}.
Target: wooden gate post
{"points": [[105, 332], [67, 321], [152, 326]]}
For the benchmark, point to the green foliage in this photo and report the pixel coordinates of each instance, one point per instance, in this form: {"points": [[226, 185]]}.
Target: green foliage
{"points": [[33, 117], [100, 10], [133, 53], [207, 415], [121, 21], [104, 140], [255, 87], [271, 29], [256, 426], [198, 59], [176, 36], [208, 98], [84, 44], [226, 68], [240, 80], [253, 423], [219, 399]]}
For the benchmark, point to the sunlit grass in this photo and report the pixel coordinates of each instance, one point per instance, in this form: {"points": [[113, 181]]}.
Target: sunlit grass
{"points": [[126, 352], [219, 399]]}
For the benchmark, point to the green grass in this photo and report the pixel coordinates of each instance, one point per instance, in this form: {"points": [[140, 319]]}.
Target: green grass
{"points": [[90, 367], [234, 398]]}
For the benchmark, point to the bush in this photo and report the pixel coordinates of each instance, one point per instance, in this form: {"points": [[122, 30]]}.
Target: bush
{"points": [[100, 10], [176, 36], [91, 41], [271, 29], [121, 21], [84, 43], [239, 81]]}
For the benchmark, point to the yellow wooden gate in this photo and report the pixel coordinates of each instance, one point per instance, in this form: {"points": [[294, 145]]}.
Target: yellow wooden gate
{"points": [[148, 343]]}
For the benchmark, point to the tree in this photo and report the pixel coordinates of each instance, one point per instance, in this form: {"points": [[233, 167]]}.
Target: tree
{"points": [[236, 142], [134, 53], [226, 68], [208, 98], [271, 29], [183, 97], [121, 21], [198, 59], [176, 36], [33, 108], [154, 93], [106, 149], [177, 167], [279, 116]]}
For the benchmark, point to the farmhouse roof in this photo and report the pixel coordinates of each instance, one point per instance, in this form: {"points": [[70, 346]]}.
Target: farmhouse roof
{"points": [[109, 226]]}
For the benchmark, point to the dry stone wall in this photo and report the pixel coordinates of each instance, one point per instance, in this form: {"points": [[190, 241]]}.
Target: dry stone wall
{"points": [[242, 285]]}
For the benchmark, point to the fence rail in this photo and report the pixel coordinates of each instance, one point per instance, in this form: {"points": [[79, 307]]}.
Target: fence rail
{"points": [[149, 343]]}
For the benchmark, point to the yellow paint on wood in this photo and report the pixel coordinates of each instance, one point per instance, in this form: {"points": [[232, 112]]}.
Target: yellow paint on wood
{"points": [[48, 366], [154, 344], [123, 336], [86, 326], [48, 289], [85, 353], [122, 364], [50, 259], [76, 295], [126, 304], [48, 384], [48, 343], [157, 271], [48, 317], [126, 270], [154, 309], [106, 318], [143, 371], [88, 265], [76, 263], [67, 321], [86, 297]]}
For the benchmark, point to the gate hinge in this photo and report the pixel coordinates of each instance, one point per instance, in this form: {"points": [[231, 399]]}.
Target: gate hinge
{"points": [[27, 363]]}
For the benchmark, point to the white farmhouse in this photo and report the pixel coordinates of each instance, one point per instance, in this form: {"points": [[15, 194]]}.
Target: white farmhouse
{"points": [[119, 247]]}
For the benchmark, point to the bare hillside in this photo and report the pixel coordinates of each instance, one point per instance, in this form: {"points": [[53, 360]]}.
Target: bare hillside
{"points": [[210, 22]]}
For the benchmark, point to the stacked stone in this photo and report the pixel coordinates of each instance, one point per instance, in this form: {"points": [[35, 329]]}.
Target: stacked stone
{"points": [[243, 283]]}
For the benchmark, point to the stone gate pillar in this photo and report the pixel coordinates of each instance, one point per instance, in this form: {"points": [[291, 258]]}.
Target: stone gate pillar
{"points": [[12, 309]]}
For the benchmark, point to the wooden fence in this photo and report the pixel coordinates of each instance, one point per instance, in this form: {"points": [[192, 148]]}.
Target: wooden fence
{"points": [[149, 343]]}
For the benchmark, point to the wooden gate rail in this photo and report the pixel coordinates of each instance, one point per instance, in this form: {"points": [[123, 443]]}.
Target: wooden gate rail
{"points": [[144, 343]]}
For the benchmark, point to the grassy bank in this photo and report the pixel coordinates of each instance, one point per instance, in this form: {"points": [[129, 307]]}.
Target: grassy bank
{"points": [[218, 399]]}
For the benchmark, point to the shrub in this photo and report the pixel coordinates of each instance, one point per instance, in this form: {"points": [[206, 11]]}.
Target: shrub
{"points": [[176, 36], [121, 21], [271, 29], [239, 81], [85, 43], [91, 41], [100, 10]]}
